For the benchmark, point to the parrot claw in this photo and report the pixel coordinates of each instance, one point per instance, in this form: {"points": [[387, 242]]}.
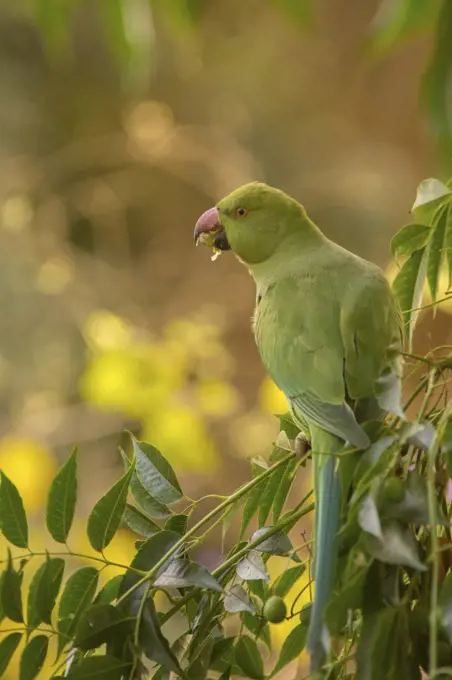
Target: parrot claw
{"points": [[301, 445]]}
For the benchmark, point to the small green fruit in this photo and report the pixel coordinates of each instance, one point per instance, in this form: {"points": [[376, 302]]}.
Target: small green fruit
{"points": [[275, 609], [394, 490]]}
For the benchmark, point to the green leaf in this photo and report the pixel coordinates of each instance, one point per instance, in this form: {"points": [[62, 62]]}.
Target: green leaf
{"points": [[428, 191], [348, 595], [33, 618], [110, 591], [413, 508], [252, 568], [77, 595], [228, 518], [448, 242], [284, 488], [269, 493], [177, 523], [278, 544], [151, 552], [150, 505], [408, 287], [397, 546], [238, 601], [33, 657], [397, 21], [259, 588], [222, 650], [62, 499], [43, 591], [368, 517], [8, 646], [106, 515], [258, 626], [139, 522], [11, 592], [253, 498], [97, 625], [409, 238], [287, 425], [182, 574], [155, 645], [49, 587], [292, 647], [287, 580], [435, 250], [13, 520], [99, 668], [248, 658], [384, 651], [155, 473]]}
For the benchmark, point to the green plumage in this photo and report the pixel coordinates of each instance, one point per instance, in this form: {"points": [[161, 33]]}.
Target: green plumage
{"points": [[329, 334]]}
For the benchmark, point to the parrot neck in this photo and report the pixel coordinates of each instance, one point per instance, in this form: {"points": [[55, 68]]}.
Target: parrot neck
{"points": [[295, 251]]}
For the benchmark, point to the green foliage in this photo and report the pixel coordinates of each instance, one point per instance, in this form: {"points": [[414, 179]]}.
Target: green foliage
{"points": [[427, 247], [131, 46], [13, 521], [106, 515], [33, 657], [61, 501], [391, 609]]}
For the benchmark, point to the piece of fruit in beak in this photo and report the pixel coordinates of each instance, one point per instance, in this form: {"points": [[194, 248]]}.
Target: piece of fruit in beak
{"points": [[210, 232], [207, 227]]}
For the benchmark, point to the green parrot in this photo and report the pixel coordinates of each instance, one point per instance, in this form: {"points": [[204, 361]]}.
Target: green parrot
{"points": [[329, 333]]}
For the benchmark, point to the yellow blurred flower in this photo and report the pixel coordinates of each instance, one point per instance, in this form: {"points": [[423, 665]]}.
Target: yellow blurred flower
{"points": [[134, 380], [106, 330], [182, 437], [271, 398], [253, 432], [31, 466], [53, 276], [216, 398]]}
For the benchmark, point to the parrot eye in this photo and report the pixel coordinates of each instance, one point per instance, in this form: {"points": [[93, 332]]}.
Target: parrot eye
{"points": [[241, 212]]}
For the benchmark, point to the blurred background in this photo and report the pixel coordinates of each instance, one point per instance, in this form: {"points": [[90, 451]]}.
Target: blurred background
{"points": [[120, 122]]}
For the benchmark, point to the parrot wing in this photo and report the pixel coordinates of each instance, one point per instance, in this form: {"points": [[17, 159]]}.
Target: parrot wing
{"points": [[328, 339]]}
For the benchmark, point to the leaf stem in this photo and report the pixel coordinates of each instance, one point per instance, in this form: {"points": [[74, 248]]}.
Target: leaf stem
{"points": [[218, 572], [199, 525], [69, 553]]}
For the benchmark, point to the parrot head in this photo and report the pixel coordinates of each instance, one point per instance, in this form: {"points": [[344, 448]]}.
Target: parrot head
{"points": [[252, 221]]}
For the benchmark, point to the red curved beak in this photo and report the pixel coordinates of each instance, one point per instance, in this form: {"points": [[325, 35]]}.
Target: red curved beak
{"points": [[208, 222], [210, 231]]}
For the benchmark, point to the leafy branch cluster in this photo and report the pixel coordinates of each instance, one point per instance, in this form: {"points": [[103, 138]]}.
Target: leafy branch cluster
{"points": [[123, 614], [391, 611]]}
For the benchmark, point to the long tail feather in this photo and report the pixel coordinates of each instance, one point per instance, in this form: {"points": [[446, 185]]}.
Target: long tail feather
{"points": [[328, 498]]}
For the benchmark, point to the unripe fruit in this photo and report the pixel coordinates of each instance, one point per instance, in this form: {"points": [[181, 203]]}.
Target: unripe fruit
{"points": [[394, 490], [275, 609]]}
